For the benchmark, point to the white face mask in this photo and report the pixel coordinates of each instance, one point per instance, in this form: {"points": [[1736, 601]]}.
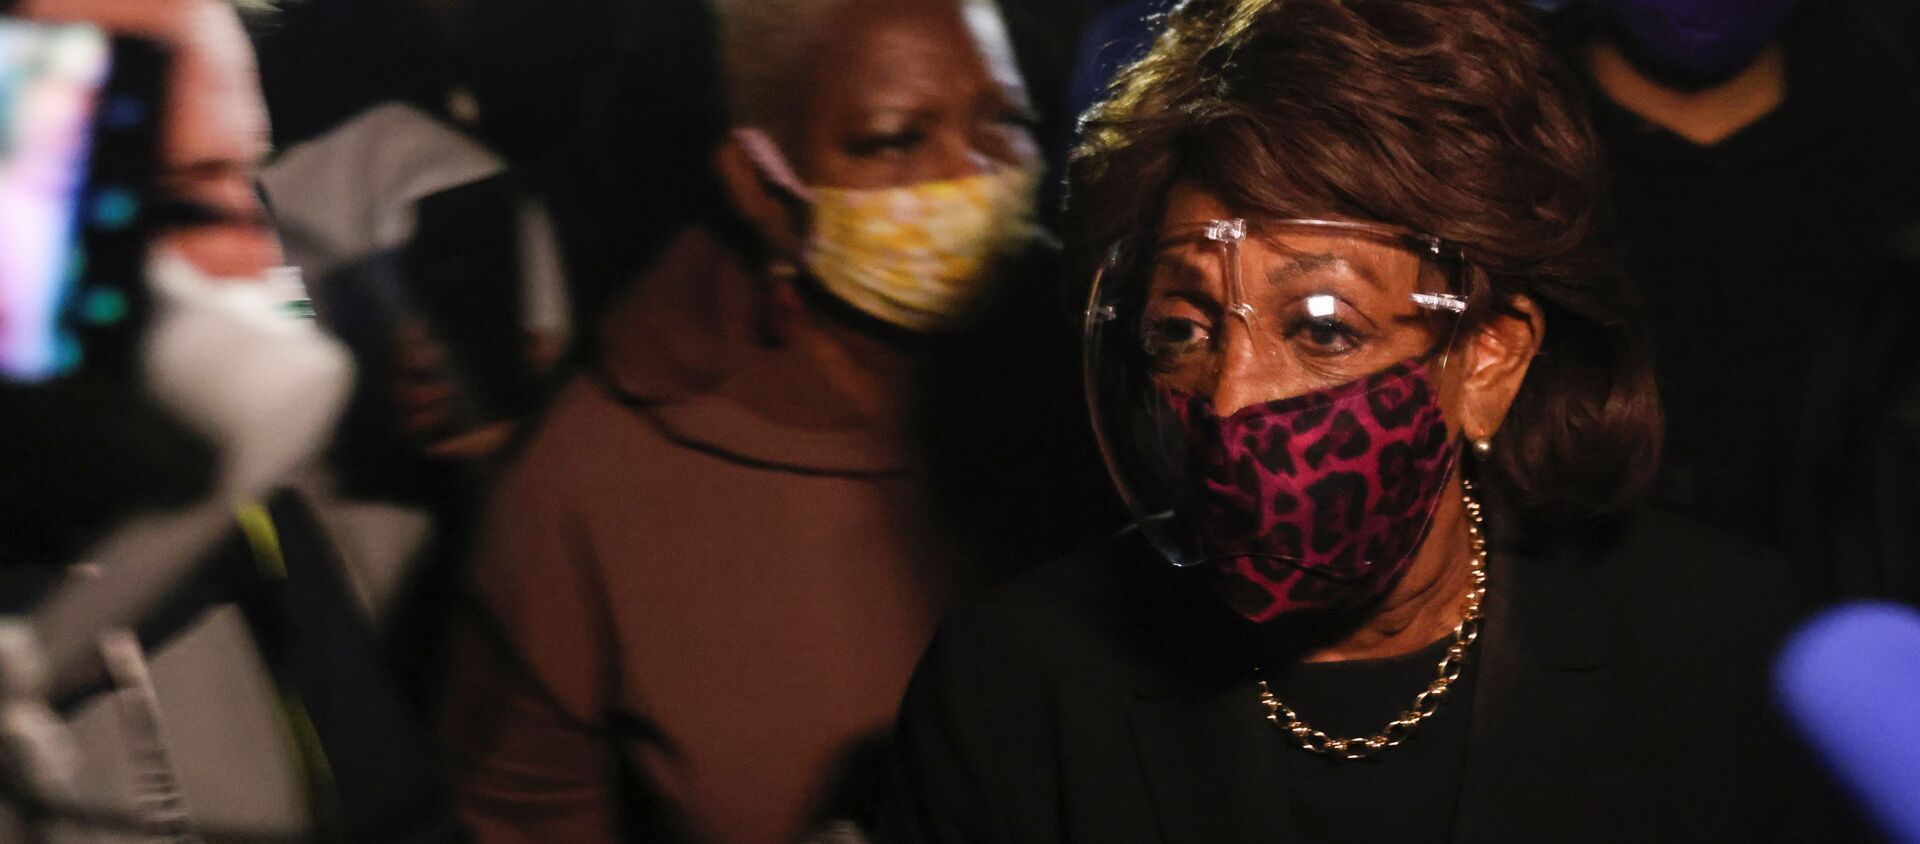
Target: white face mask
{"points": [[232, 359], [918, 256]]}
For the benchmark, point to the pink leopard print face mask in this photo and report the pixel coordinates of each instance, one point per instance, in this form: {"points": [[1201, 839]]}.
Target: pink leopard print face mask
{"points": [[1315, 502]]}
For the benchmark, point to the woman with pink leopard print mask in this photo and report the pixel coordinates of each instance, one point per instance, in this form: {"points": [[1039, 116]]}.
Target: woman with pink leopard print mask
{"points": [[1380, 405]]}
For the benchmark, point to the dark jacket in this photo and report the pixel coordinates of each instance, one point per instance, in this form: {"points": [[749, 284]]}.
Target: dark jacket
{"points": [[1621, 697], [1859, 462], [1764, 236]]}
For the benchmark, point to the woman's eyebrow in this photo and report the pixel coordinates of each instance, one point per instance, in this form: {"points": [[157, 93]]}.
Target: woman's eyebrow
{"points": [[1182, 268], [1313, 262], [861, 113]]}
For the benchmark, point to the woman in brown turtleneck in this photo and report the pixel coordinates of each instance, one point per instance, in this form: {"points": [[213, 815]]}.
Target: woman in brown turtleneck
{"points": [[713, 566]]}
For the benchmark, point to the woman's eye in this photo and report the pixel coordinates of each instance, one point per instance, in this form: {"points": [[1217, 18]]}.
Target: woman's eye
{"points": [[1018, 118], [1324, 335], [1169, 339], [889, 143]]}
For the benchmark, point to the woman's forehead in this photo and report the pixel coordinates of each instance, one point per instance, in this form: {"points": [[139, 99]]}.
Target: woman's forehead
{"points": [[898, 54], [1297, 269], [1190, 227], [1288, 257], [1188, 205]]}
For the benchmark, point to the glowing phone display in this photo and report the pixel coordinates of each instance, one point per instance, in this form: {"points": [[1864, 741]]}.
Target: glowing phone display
{"points": [[76, 155]]}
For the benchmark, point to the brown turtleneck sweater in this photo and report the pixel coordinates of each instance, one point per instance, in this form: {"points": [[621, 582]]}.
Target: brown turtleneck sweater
{"points": [[679, 574]]}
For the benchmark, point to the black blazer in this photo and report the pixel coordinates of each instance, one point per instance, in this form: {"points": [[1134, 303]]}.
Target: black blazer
{"points": [[1621, 696]]}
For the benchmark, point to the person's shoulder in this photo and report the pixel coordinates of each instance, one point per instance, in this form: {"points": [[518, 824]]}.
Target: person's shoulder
{"points": [[1055, 605], [1706, 589], [584, 430], [1674, 551], [1100, 614]]}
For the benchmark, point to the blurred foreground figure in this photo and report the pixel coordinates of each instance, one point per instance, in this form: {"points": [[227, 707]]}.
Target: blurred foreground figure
{"points": [[701, 588], [245, 700], [1762, 159], [430, 260]]}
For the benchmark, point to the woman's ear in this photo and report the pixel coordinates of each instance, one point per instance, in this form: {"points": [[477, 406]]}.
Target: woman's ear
{"points": [[1497, 357], [758, 198]]}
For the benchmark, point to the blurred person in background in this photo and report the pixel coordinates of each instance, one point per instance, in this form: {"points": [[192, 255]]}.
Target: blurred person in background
{"points": [[703, 583], [437, 261], [1761, 158], [437, 265], [1864, 412], [250, 698], [608, 110]]}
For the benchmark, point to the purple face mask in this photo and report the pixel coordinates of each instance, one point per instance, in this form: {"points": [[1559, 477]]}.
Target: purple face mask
{"points": [[1316, 503], [1694, 44]]}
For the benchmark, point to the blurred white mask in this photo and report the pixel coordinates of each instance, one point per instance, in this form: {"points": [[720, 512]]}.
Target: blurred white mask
{"points": [[234, 359]]}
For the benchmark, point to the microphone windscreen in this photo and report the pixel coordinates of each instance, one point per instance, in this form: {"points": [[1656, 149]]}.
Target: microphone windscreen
{"points": [[1850, 681]]}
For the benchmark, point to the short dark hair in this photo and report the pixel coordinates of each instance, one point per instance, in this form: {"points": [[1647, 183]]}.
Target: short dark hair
{"points": [[1449, 117]]}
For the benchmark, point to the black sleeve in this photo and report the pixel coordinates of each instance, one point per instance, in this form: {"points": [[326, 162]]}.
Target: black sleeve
{"points": [[938, 793], [319, 648], [975, 750]]}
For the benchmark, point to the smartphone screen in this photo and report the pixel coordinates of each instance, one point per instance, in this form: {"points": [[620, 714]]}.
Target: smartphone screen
{"points": [[77, 112]]}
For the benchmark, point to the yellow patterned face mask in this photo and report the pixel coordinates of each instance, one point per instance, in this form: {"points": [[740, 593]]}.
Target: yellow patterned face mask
{"points": [[918, 256]]}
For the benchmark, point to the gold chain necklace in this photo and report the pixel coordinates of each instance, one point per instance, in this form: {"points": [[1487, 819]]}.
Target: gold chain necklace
{"points": [[1428, 700]]}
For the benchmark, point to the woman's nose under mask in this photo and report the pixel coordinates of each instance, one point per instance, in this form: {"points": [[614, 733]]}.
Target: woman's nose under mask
{"points": [[1317, 502]]}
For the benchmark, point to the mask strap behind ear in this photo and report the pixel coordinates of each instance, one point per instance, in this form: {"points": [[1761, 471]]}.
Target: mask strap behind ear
{"points": [[766, 156]]}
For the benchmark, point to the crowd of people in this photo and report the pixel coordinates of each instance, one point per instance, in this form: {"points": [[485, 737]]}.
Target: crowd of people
{"points": [[837, 421]]}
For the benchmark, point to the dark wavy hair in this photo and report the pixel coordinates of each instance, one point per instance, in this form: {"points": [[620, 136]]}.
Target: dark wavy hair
{"points": [[1449, 117]]}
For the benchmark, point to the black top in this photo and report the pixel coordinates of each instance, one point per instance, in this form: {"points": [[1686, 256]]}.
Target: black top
{"points": [[1404, 793], [1749, 251], [1621, 696], [1870, 496]]}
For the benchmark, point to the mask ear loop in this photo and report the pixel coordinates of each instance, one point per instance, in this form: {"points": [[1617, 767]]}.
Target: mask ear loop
{"points": [[766, 155]]}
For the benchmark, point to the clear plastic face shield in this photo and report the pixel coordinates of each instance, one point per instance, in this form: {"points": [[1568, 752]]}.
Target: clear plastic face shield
{"points": [[1268, 389]]}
